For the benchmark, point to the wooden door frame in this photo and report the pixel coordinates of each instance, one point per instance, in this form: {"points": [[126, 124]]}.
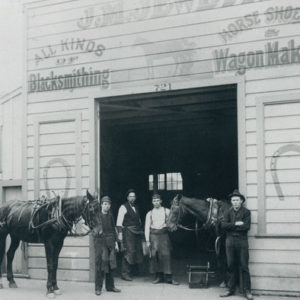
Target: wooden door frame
{"points": [[94, 123], [7, 184]]}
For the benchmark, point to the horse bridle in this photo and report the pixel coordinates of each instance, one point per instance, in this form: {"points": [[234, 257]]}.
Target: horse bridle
{"points": [[61, 219], [212, 216], [86, 215]]}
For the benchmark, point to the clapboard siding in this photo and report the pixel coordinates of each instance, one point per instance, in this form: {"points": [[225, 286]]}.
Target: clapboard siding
{"points": [[251, 203], [276, 84], [64, 263], [135, 45], [59, 182], [112, 38], [281, 123], [84, 113], [251, 177], [165, 7], [60, 171], [145, 25], [282, 229], [275, 256], [68, 275], [284, 176], [11, 135], [282, 110], [136, 68], [66, 252], [290, 189], [282, 216], [280, 270], [38, 108], [70, 159], [292, 202], [283, 285], [273, 243]]}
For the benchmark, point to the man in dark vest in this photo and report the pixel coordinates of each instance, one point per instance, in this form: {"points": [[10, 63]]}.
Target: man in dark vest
{"points": [[130, 235], [105, 243], [236, 223]]}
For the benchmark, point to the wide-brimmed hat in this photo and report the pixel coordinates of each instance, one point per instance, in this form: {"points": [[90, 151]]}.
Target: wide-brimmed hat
{"points": [[236, 193], [105, 199]]}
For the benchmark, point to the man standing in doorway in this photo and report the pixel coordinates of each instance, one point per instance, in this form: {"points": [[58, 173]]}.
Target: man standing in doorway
{"points": [[236, 223], [130, 235], [105, 243], [158, 242]]}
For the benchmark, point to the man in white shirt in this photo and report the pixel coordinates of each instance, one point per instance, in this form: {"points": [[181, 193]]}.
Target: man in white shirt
{"points": [[130, 234], [159, 243]]}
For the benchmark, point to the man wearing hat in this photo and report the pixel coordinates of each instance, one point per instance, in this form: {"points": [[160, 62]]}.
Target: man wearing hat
{"points": [[130, 231], [158, 242], [105, 243], [236, 223]]}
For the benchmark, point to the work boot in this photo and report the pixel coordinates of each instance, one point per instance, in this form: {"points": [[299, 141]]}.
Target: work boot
{"points": [[248, 295], [170, 280], [114, 290], [174, 282], [126, 277], [227, 294], [158, 278], [98, 292]]}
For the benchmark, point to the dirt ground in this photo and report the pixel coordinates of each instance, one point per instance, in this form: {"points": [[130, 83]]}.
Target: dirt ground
{"points": [[139, 289]]}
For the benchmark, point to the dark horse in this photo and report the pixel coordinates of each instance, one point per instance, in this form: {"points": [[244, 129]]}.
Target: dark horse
{"points": [[47, 223], [207, 212]]}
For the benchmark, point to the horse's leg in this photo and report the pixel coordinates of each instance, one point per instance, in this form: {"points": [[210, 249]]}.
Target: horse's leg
{"points": [[57, 250], [49, 249], [10, 256], [3, 236]]}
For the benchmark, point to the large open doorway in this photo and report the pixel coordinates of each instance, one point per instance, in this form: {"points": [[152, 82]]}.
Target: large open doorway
{"points": [[184, 141]]}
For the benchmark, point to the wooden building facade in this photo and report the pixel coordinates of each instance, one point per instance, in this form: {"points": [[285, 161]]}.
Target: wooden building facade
{"points": [[228, 70]]}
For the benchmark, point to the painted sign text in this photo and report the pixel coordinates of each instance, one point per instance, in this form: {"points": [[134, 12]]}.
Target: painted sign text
{"points": [[69, 46], [273, 54], [77, 79]]}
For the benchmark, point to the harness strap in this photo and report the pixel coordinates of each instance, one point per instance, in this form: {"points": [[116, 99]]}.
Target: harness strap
{"points": [[210, 215], [21, 213]]}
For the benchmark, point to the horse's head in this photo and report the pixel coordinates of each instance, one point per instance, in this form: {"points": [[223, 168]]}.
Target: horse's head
{"points": [[221, 207], [174, 215], [91, 211]]}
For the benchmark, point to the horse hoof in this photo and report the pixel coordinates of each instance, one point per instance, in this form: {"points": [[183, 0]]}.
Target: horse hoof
{"points": [[222, 284], [51, 295], [57, 292], [12, 285]]}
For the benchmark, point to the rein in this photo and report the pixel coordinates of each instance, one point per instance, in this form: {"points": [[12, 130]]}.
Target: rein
{"points": [[210, 217], [59, 218]]}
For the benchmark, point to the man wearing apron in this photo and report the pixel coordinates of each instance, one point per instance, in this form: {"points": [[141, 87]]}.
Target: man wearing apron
{"points": [[105, 243], [158, 242], [130, 235]]}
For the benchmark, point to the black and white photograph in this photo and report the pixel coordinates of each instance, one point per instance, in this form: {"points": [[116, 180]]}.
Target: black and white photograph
{"points": [[150, 149]]}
